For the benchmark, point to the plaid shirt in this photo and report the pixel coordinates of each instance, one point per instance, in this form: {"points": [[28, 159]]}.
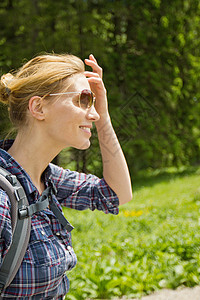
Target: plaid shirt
{"points": [[49, 254]]}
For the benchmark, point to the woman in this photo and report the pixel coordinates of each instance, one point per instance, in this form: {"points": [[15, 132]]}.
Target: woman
{"points": [[51, 104]]}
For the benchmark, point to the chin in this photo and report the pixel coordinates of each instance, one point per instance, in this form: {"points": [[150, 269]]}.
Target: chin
{"points": [[84, 146]]}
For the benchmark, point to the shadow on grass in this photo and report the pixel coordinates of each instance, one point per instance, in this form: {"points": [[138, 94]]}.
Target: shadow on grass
{"points": [[151, 177]]}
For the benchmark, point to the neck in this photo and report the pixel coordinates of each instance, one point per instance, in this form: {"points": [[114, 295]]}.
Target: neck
{"points": [[34, 155]]}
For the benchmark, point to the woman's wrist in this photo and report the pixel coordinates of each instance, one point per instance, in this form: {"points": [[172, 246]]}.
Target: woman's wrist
{"points": [[103, 121]]}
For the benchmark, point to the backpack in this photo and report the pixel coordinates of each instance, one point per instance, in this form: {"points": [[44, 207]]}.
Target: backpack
{"points": [[21, 212]]}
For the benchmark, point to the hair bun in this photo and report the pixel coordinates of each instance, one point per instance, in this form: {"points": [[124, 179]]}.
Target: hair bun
{"points": [[4, 87]]}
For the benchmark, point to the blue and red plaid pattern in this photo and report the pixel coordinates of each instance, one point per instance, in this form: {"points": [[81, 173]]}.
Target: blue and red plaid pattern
{"points": [[49, 255]]}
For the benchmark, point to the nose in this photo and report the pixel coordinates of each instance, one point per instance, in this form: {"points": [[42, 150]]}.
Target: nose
{"points": [[92, 114]]}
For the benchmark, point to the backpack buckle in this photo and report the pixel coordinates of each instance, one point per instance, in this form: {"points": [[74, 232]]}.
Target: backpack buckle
{"points": [[19, 193], [23, 212], [12, 179]]}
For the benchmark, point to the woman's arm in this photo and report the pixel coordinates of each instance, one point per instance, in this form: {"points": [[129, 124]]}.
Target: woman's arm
{"points": [[115, 169]]}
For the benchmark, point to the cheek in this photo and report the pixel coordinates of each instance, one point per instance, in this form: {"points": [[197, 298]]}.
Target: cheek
{"points": [[58, 114], [64, 124], [65, 117]]}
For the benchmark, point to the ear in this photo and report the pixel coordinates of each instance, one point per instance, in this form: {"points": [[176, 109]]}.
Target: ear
{"points": [[36, 108]]}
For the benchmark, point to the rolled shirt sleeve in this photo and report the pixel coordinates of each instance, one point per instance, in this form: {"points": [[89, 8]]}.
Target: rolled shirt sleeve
{"points": [[80, 191]]}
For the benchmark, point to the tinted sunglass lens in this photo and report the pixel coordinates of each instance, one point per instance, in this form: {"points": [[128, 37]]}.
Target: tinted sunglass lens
{"points": [[86, 99]]}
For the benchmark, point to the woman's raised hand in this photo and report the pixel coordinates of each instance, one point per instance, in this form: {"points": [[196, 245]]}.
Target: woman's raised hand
{"points": [[97, 86]]}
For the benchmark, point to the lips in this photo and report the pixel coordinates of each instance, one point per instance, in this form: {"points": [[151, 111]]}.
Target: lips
{"points": [[86, 128]]}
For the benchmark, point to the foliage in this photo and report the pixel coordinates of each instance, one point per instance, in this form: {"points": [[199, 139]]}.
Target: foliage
{"points": [[153, 243], [149, 51]]}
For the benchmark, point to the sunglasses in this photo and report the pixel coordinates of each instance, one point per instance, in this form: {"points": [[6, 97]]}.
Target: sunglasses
{"points": [[86, 98]]}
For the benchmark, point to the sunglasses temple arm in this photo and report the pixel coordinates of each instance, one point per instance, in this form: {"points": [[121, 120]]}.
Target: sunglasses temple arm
{"points": [[57, 94]]}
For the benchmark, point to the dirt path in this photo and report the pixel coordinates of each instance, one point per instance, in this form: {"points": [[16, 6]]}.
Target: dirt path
{"points": [[180, 294], [165, 294]]}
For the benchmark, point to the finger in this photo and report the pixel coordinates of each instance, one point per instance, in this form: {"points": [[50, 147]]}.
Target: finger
{"points": [[93, 77], [95, 80], [90, 74], [91, 56], [96, 68], [91, 63]]}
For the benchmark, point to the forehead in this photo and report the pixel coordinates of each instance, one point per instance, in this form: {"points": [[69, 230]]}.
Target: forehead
{"points": [[77, 83]]}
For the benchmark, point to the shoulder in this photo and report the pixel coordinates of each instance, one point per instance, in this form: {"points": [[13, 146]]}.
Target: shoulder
{"points": [[70, 178], [60, 173], [57, 172]]}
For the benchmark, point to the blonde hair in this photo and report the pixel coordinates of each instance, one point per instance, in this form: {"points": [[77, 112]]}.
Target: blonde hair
{"points": [[40, 76]]}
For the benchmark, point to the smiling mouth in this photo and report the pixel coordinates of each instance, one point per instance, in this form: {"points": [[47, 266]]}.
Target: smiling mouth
{"points": [[86, 129]]}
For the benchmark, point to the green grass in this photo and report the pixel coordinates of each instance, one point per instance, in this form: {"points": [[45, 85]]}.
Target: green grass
{"points": [[153, 243]]}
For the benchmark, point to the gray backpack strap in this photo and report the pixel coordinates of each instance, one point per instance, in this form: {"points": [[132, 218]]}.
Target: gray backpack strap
{"points": [[65, 223], [21, 228], [45, 200], [21, 213], [59, 215]]}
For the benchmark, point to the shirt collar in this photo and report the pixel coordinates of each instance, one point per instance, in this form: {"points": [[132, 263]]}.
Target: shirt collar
{"points": [[10, 164]]}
